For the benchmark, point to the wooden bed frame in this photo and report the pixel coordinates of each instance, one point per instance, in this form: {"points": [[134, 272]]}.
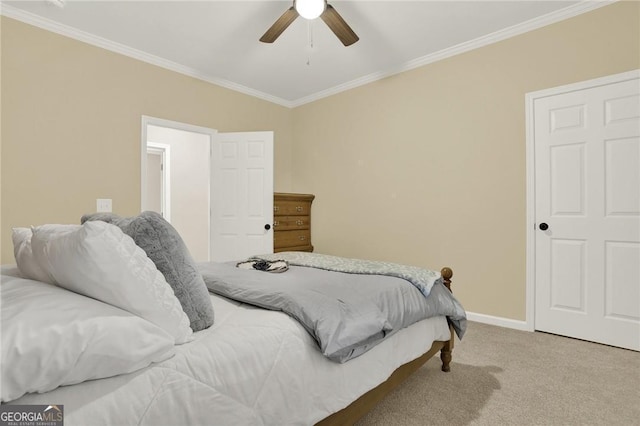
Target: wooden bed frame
{"points": [[364, 404]]}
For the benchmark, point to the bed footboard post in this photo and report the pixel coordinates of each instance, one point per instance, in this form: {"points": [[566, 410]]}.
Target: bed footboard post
{"points": [[447, 349]]}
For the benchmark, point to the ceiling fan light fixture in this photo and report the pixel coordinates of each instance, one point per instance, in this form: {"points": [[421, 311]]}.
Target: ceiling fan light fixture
{"points": [[310, 9]]}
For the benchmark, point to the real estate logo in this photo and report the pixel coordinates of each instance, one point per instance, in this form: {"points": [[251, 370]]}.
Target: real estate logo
{"points": [[31, 415]]}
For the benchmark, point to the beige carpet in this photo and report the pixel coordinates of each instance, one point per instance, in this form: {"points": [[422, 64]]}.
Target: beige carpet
{"points": [[501, 376]]}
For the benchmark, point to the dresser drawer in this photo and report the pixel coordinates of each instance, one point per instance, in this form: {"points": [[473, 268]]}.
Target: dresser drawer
{"points": [[297, 248], [288, 223], [291, 207], [292, 238]]}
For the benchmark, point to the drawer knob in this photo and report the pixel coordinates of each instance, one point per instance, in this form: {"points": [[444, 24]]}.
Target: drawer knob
{"points": [[299, 222], [276, 223], [298, 208], [302, 238], [276, 208]]}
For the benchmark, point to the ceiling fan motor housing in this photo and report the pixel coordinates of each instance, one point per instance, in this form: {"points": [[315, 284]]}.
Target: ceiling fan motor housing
{"points": [[310, 9], [321, 9]]}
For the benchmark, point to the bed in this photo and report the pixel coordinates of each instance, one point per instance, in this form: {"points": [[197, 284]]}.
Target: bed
{"points": [[251, 366]]}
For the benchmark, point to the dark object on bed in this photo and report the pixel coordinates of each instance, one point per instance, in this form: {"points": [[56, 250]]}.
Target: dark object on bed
{"points": [[274, 266], [167, 250]]}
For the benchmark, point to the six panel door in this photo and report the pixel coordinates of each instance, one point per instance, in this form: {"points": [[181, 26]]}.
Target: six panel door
{"points": [[587, 194], [242, 195]]}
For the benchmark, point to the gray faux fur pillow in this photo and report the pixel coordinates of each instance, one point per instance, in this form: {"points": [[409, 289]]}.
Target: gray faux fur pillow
{"points": [[164, 246]]}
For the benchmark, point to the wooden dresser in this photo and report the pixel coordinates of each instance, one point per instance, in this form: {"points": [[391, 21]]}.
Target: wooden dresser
{"points": [[292, 222]]}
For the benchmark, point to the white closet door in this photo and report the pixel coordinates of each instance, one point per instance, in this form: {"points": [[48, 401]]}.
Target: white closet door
{"points": [[587, 195]]}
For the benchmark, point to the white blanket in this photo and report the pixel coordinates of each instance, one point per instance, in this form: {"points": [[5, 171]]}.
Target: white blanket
{"points": [[252, 367]]}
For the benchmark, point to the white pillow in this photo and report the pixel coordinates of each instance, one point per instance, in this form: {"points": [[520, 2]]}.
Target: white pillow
{"points": [[98, 260], [23, 253], [53, 337]]}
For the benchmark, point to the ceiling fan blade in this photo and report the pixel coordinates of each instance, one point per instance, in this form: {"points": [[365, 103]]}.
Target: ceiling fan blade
{"points": [[279, 26], [339, 27]]}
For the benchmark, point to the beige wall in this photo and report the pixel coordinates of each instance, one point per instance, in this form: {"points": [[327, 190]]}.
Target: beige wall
{"points": [[428, 167], [425, 167], [71, 122]]}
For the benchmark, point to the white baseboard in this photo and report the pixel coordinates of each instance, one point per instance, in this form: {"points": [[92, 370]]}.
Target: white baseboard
{"points": [[499, 321]]}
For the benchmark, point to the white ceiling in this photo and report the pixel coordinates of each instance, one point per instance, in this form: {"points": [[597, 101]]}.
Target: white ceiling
{"points": [[218, 40]]}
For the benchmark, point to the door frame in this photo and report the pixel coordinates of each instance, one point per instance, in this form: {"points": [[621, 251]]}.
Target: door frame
{"points": [[164, 150], [531, 233], [161, 122]]}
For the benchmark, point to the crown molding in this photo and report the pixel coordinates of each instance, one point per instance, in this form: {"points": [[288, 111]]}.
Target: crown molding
{"points": [[85, 37], [515, 30]]}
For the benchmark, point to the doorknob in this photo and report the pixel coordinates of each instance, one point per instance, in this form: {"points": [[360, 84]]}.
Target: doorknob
{"points": [[543, 226], [267, 226]]}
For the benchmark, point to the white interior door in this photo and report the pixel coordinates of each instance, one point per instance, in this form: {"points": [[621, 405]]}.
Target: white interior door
{"points": [[242, 195], [587, 213]]}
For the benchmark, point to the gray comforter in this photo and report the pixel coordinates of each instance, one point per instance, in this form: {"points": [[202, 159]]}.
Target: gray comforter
{"points": [[346, 313]]}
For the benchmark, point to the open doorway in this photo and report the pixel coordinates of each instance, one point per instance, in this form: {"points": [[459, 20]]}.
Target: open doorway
{"points": [[176, 180], [218, 193], [158, 179]]}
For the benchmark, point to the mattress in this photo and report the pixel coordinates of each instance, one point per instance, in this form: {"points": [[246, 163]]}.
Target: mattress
{"points": [[252, 367]]}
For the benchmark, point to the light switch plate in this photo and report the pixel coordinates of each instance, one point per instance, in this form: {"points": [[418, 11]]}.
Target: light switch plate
{"points": [[103, 205]]}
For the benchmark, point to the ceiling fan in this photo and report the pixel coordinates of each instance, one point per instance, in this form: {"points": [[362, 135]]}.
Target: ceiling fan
{"points": [[312, 9]]}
